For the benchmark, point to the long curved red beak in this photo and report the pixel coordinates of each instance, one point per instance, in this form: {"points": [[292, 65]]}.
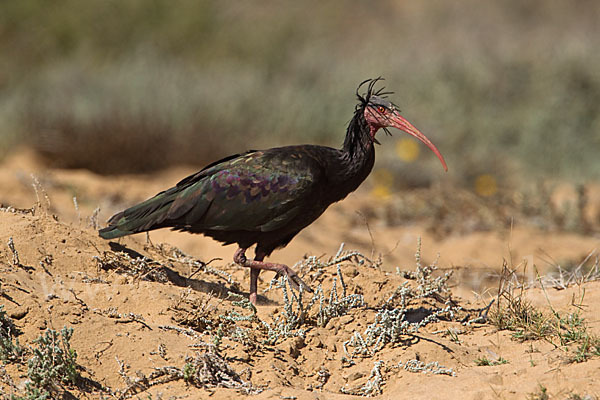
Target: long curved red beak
{"points": [[397, 121]]}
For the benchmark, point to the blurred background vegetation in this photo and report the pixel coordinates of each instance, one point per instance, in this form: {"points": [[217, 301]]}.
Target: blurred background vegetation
{"points": [[509, 90]]}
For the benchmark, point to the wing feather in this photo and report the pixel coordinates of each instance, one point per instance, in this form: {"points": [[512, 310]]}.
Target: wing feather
{"points": [[257, 191]]}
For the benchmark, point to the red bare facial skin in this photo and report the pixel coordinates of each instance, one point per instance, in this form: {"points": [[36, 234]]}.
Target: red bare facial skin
{"points": [[381, 117]]}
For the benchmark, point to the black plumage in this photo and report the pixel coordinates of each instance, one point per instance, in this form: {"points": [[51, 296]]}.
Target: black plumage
{"points": [[265, 197]]}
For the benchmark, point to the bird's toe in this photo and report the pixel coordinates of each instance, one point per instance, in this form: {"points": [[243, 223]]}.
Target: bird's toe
{"points": [[296, 282]]}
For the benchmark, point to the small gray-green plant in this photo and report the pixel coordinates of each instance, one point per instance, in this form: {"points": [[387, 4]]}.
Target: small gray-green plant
{"points": [[427, 284], [298, 312], [576, 396], [573, 333], [217, 336], [289, 322], [540, 394], [226, 324], [53, 363], [188, 371], [10, 349], [572, 328], [336, 306], [484, 361], [453, 335], [373, 386], [242, 302], [391, 321], [587, 347], [434, 367]]}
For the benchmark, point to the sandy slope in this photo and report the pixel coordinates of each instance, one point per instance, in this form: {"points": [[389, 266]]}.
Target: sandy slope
{"points": [[60, 282], [347, 222]]}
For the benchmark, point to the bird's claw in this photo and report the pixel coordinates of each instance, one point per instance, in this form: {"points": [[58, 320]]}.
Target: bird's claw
{"points": [[294, 280]]}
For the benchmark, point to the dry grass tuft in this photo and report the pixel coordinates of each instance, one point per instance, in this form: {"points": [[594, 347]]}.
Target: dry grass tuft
{"points": [[566, 331]]}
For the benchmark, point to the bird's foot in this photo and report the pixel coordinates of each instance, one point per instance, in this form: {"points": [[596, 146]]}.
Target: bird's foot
{"points": [[257, 264], [294, 280]]}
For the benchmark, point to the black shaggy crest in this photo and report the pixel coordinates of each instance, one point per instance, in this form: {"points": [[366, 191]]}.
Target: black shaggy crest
{"points": [[358, 127], [364, 99]]}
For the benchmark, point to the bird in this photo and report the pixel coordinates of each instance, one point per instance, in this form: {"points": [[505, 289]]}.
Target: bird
{"points": [[266, 197]]}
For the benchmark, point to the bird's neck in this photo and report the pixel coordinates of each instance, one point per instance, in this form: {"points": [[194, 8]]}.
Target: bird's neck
{"points": [[356, 157]]}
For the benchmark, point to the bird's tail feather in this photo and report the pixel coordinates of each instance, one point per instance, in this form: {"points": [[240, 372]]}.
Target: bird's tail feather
{"points": [[142, 217]]}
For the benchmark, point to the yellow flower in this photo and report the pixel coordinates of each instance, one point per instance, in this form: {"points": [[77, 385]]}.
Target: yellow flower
{"points": [[381, 192], [407, 149], [485, 185], [384, 180]]}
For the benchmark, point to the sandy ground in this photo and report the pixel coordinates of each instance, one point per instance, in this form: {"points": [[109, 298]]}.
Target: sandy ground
{"points": [[64, 277]]}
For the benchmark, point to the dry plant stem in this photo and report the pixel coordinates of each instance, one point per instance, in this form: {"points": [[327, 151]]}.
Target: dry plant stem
{"points": [[257, 264], [37, 187], [11, 245]]}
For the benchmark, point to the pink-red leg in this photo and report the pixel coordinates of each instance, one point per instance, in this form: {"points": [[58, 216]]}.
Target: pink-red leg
{"points": [[254, 272], [257, 264]]}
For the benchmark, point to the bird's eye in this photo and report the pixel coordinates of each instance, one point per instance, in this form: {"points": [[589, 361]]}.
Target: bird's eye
{"points": [[381, 109]]}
